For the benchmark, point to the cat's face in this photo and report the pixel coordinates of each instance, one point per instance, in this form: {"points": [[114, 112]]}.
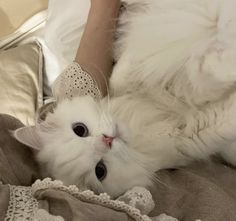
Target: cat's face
{"points": [[82, 144]]}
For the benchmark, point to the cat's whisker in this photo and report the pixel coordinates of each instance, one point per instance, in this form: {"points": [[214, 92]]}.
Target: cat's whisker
{"points": [[102, 75], [150, 175], [103, 116], [106, 118], [157, 181], [124, 152]]}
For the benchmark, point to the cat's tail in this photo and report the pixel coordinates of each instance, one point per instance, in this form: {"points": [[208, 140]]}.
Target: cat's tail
{"points": [[194, 41]]}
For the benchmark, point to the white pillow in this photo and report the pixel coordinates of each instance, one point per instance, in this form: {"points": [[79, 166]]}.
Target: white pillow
{"points": [[61, 37]]}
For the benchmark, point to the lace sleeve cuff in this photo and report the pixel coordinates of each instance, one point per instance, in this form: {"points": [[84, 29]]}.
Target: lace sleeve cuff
{"points": [[74, 81]]}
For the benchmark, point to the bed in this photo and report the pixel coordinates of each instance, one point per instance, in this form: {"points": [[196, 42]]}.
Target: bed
{"points": [[202, 191]]}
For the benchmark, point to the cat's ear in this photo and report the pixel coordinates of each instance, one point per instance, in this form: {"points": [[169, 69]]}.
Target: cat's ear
{"points": [[28, 136], [45, 110]]}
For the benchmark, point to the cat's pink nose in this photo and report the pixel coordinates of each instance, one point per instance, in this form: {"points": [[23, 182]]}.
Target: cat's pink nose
{"points": [[107, 140]]}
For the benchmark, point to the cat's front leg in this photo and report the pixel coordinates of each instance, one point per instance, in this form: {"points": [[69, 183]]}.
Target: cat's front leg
{"points": [[210, 131]]}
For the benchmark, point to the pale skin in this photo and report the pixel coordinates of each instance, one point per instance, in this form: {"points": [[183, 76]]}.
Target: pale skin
{"points": [[95, 50]]}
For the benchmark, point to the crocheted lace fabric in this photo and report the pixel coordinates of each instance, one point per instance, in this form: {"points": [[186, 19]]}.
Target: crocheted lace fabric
{"points": [[139, 198], [23, 205], [74, 81], [102, 199]]}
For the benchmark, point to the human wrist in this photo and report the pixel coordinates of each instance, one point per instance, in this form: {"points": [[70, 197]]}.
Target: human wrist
{"points": [[105, 2], [105, 5]]}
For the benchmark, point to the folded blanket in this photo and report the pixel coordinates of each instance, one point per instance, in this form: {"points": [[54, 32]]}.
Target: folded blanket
{"points": [[51, 200]]}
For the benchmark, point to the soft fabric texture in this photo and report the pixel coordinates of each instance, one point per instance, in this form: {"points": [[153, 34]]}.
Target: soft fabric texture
{"points": [[21, 81], [14, 13], [51, 200], [204, 190], [17, 164]]}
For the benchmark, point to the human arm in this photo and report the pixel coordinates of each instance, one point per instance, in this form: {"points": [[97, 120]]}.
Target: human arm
{"points": [[95, 50]]}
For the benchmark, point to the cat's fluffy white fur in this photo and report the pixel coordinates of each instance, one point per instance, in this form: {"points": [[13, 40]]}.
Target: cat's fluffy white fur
{"points": [[173, 86]]}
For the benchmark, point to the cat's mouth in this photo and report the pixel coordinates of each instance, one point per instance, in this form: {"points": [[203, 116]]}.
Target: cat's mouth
{"points": [[107, 140]]}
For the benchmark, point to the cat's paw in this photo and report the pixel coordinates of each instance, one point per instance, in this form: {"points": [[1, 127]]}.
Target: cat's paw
{"points": [[211, 71], [215, 63]]}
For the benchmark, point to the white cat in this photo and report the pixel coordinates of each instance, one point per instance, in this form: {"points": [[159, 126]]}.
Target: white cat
{"points": [[172, 100]]}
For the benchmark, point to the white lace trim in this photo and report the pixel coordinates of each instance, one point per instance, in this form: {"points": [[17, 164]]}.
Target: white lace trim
{"points": [[22, 206], [74, 81], [43, 215], [89, 196], [164, 217], [139, 198]]}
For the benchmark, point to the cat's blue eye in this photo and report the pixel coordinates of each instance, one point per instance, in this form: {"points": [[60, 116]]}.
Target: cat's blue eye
{"points": [[80, 129], [101, 171]]}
